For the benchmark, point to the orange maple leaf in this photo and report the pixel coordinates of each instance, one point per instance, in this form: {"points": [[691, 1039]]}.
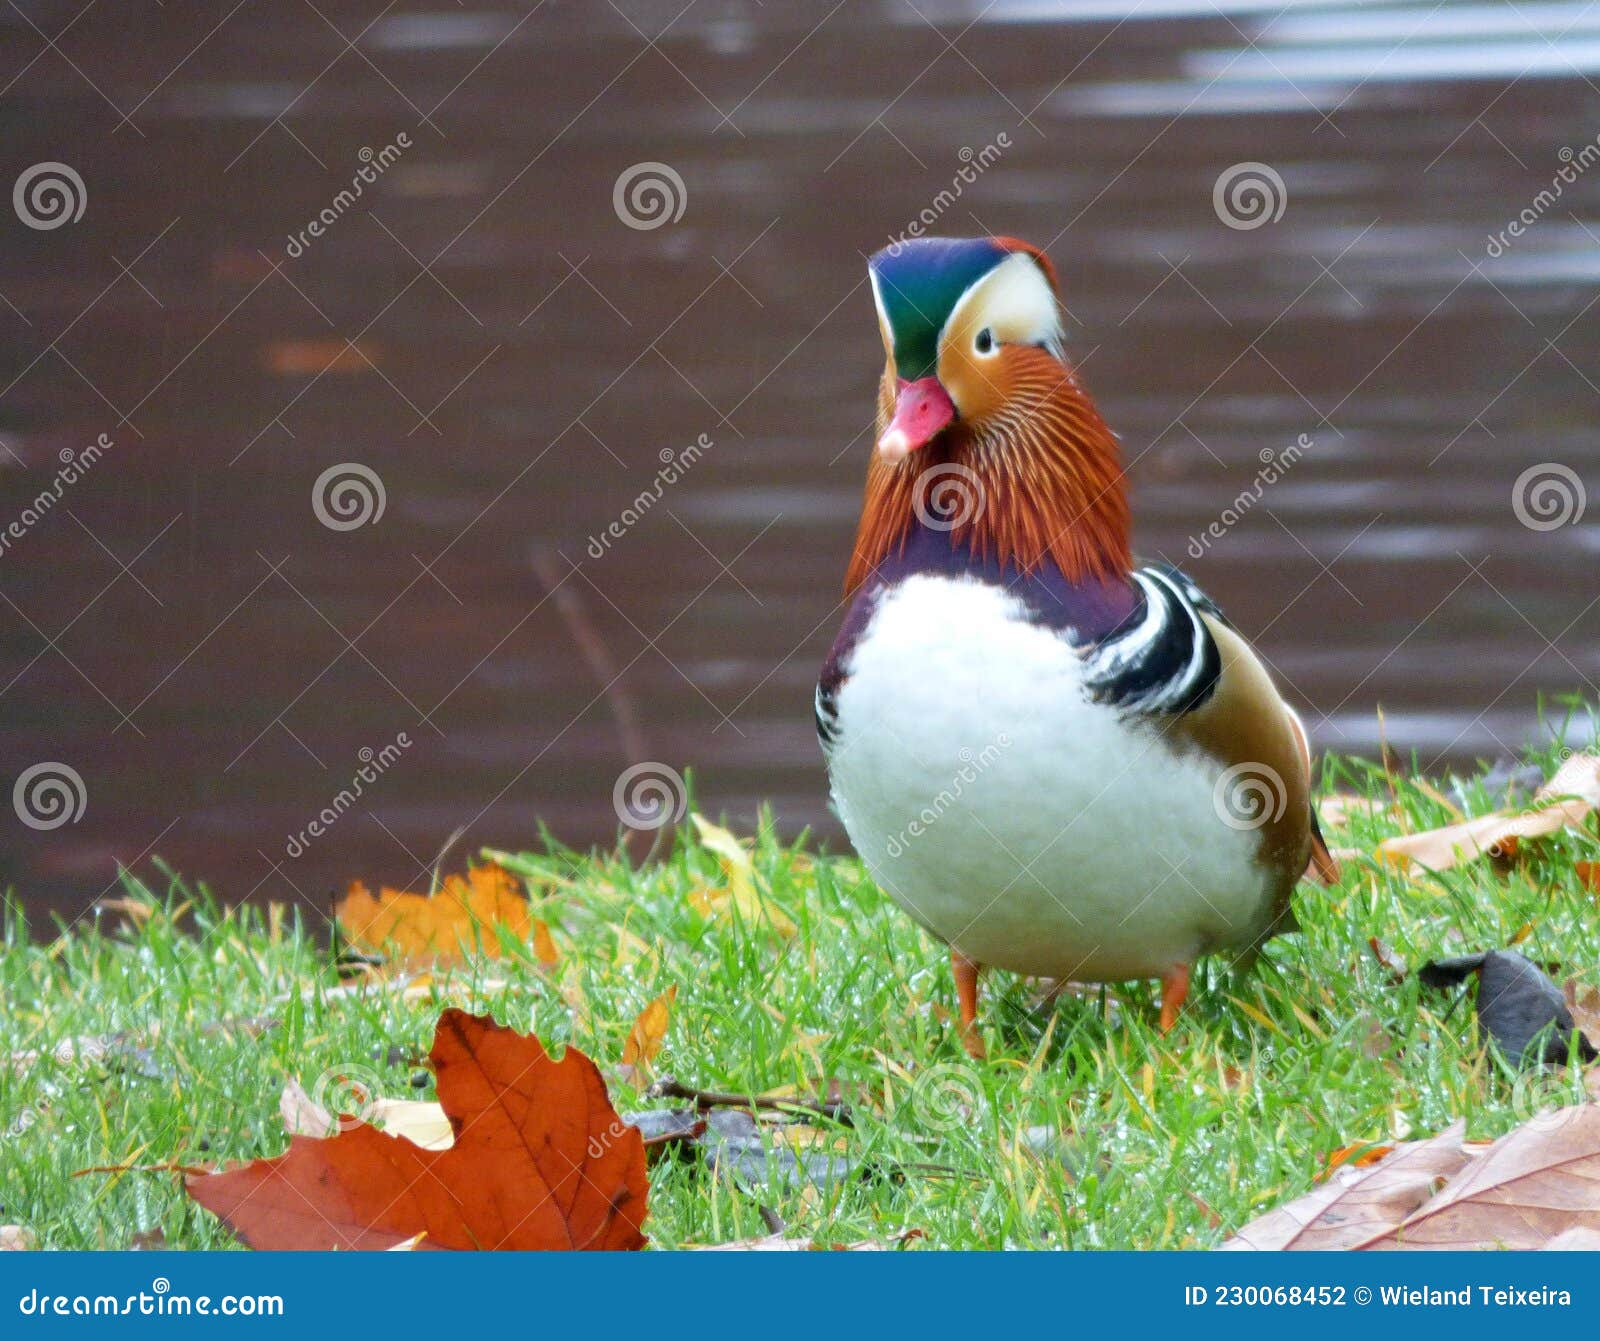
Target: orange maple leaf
{"points": [[540, 1161], [437, 928]]}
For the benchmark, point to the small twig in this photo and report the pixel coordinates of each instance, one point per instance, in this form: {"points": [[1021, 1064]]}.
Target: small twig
{"points": [[592, 647], [669, 1088]]}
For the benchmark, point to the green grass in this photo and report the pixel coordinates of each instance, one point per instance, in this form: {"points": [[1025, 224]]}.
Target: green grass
{"points": [[1085, 1129]]}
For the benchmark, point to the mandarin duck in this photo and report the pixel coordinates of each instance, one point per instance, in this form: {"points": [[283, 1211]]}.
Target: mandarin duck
{"points": [[1058, 762]]}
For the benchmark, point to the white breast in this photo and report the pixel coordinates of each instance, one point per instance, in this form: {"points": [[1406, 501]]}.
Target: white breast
{"points": [[1029, 827]]}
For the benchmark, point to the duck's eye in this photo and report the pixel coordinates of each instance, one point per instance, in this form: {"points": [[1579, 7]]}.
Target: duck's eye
{"points": [[985, 341]]}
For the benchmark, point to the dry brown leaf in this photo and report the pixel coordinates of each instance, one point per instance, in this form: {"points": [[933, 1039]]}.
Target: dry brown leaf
{"points": [[544, 945], [1336, 811], [1575, 1240], [540, 1161], [1357, 1156], [420, 1120], [1588, 875], [444, 927], [646, 1037], [1566, 799], [740, 890], [1356, 1203], [1584, 1003], [1532, 1186]]}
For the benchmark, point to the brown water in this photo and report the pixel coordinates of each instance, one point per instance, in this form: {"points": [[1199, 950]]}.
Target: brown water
{"points": [[183, 632]]}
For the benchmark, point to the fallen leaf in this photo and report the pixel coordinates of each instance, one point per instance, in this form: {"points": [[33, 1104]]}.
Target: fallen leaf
{"points": [[1337, 810], [1358, 1202], [1393, 963], [445, 927], [540, 1160], [1575, 1240], [1534, 1183], [1356, 1156], [1538, 1186], [739, 875], [420, 1120], [1566, 799], [1517, 1004], [544, 945], [646, 1037], [1588, 875], [1583, 1002]]}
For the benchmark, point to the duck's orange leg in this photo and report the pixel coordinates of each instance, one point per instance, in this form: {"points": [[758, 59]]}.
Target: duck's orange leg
{"points": [[1174, 992], [966, 974]]}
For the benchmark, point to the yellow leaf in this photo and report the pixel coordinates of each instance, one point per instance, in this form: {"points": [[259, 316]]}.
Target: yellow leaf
{"points": [[649, 1030], [1566, 800], [445, 927], [740, 874], [544, 946]]}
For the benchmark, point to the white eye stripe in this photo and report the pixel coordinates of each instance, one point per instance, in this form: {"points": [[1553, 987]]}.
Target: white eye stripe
{"points": [[1014, 302]]}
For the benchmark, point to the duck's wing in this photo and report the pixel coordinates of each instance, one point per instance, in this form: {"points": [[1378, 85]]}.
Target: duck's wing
{"points": [[1179, 661]]}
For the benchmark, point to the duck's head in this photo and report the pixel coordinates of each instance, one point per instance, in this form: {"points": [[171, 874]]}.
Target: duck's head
{"points": [[976, 381], [968, 325]]}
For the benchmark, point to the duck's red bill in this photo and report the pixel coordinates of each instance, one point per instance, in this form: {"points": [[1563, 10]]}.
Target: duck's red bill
{"points": [[922, 409]]}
